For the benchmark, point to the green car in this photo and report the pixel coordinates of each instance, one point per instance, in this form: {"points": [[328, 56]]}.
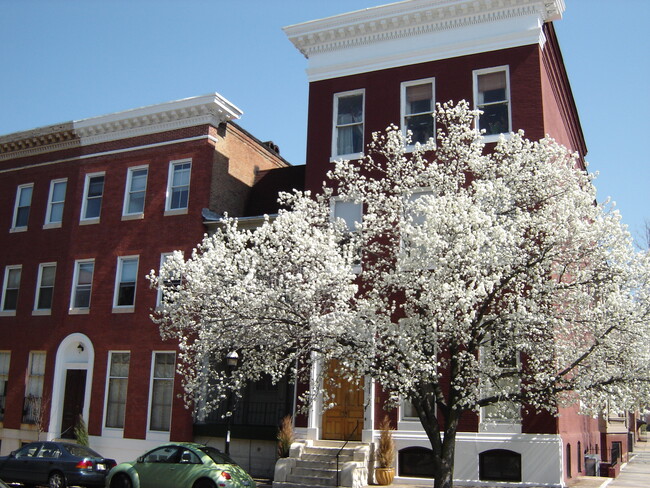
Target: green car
{"points": [[180, 465]]}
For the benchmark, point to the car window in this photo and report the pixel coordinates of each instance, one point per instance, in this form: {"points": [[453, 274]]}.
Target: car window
{"points": [[188, 457], [167, 454], [49, 451], [81, 451], [27, 451], [216, 455]]}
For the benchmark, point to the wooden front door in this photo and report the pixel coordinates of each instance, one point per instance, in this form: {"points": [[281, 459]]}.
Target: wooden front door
{"points": [[73, 401], [339, 422]]}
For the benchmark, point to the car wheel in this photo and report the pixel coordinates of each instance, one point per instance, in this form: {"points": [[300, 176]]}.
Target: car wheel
{"points": [[56, 480], [121, 481], [204, 484]]}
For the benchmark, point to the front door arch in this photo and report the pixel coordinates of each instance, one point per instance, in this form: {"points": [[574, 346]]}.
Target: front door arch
{"points": [[75, 359]]}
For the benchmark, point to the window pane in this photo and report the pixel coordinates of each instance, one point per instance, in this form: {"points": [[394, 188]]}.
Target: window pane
{"points": [[492, 87], [418, 98], [96, 186], [47, 275], [56, 212], [85, 273], [494, 118], [164, 365], [350, 212], [138, 180], [117, 390], [350, 109], [94, 197], [181, 175], [421, 127], [136, 194], [23, 205], [350, 139], [58, 191]]}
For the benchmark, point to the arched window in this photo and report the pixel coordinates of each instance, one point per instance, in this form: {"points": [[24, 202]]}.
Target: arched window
{"points": [[500, 465], [415, 462]]}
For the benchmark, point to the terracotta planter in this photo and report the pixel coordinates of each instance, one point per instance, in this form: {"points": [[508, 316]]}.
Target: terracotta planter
{"points": [[384, 476]]}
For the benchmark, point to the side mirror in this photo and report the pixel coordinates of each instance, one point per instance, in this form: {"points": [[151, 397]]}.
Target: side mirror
{"points": [[140, 459], [12, 454]]}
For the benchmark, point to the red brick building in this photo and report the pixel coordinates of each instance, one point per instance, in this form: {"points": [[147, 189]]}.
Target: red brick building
{"points": [[390, 65], [87, 208]]}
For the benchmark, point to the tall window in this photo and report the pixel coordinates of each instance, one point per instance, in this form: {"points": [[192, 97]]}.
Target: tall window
{"points": [[5, 358], [136, 187], [417, 109], [162, 388], [55, 201], [125, 280], [82, 284], [45, 286], [499, 356], [10, 288], [492, 96], [22, 206], [347, 139], [32, 409], [118, 379], [352, 214], [178, 185], [93, 194]]}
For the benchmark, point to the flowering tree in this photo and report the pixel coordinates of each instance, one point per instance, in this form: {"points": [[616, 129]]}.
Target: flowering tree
{"points": [[488, 280]]}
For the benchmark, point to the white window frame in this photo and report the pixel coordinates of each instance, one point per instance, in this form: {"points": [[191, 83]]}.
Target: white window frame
{"points": [[128, 191], [114, 431], [118, 281], [37, 378], [335, 127], [161, 435], [404, 86], [49, 224], [17, 207], [92, 220], [75, 284], [170, 189], [478, 72], [37, 295], [5, 282], [5, 364]]}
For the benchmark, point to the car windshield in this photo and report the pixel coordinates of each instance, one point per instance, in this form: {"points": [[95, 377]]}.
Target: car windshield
{"points": [[81, 451], [216, 455]]}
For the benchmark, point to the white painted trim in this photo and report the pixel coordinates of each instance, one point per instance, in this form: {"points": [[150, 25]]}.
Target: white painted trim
{"points": [[168, 192], [496, 69], [65, 359], [19, 192], [335, 111], [118, 280], [383, 37], [127, 192], [84, 201], [37, 294], [403, 86], [48, 214], [8, 268], [80, 310]]}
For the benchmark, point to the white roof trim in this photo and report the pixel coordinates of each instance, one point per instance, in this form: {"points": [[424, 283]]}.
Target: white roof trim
{"points": [[383, 37]]}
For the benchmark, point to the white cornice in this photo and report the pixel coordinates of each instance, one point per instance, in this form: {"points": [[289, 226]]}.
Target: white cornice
{"points": [[414, 31], [210, 109]]}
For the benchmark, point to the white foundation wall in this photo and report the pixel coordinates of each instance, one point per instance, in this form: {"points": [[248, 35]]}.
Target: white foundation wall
{"points": [[541, 457]]}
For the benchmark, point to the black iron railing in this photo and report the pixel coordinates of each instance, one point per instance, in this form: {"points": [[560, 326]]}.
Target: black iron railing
{"points": [[338, 454]]}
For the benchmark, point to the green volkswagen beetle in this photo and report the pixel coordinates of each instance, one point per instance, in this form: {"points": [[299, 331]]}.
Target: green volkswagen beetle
{"points": [[180, 465]]}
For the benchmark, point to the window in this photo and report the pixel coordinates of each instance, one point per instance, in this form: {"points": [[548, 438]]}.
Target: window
{"points": [[136, 187], [347, 139], [168, 283], [82, 284], [34, 390], [499, 353], [93, 194], [45, 286], [178, 185], [5, 358], [352, 214], [492, 96], [162, 387], [21, 209], [417, 109], [125, 280], [416, 462], [407, 411], [118, 379], [54, 214], [10, 288], [499, 465], [413, 226]]}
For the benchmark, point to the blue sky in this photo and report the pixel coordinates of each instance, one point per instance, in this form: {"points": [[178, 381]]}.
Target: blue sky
{"points": [[64, 60]]}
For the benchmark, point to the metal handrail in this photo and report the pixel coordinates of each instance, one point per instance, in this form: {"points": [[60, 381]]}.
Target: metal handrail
{"points": [[341, 450]]}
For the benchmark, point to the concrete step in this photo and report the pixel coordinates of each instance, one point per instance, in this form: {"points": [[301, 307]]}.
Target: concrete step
{"points": [[311, 480]]}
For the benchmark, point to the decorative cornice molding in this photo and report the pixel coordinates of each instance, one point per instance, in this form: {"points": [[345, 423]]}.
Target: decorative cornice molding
{"points": [[210, 109], [379, 27]]}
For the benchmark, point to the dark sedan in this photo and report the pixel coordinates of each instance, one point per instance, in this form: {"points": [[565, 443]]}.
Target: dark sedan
{"points": [[55, 464]]}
